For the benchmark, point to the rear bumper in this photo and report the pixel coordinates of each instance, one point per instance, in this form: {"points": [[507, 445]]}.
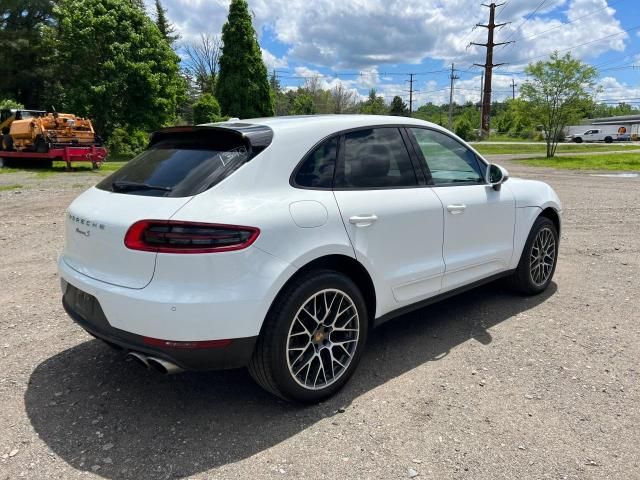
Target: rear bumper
{"points": [[236, 354], [192, 299]]}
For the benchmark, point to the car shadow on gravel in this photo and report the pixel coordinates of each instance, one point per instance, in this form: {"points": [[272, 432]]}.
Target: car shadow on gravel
{"points": [[105, 415]]}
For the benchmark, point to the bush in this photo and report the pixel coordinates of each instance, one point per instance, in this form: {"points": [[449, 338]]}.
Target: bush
{"points": [[9, 103], [464, 129], [206, 110], [124, 144]]}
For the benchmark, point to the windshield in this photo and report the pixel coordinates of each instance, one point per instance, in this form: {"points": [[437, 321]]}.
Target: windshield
{"points": [[177, 169]]}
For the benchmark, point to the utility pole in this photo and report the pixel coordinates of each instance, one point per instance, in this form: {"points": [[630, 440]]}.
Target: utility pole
{"points": [[513, 88], [488, 65], [453, 78], [481, 90], [411, 93]]}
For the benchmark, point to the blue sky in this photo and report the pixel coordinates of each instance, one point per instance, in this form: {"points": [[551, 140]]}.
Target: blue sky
{"points": [[376, 43]]}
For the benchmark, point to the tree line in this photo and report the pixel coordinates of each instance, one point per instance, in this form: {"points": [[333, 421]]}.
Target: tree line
{"points": [[112, 61]]}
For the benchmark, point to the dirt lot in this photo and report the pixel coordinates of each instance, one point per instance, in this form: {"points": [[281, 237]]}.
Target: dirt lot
{"points": [[487, 385]]}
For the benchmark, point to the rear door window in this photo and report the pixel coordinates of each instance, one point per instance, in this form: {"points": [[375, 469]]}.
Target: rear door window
{"points": [[375, 158], [180, 167]]}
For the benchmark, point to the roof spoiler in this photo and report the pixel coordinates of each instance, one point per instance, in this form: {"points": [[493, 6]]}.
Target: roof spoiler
{"points": [[255, 137]]}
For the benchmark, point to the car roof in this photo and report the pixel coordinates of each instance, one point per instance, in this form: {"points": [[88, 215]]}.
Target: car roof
{"points": [[322, 122]]}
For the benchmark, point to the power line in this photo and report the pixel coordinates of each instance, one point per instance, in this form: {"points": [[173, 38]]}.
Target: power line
{"points": [[527, 18], [572, 21], [582, 44]]}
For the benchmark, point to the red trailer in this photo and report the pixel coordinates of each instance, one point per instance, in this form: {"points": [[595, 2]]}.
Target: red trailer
{"points": [[68, 154]]}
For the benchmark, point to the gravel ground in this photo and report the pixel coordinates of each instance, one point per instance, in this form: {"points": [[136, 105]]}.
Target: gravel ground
{"points": [[483, 386]]}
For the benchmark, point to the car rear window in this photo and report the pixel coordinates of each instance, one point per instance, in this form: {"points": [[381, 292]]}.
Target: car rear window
{"points": [[182, 165]]}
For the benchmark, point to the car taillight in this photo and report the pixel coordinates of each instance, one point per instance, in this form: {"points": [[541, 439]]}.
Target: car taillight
{"points": [[167, 236]]}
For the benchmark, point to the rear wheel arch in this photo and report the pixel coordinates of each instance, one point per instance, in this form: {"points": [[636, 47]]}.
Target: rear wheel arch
{"points": [[343, 264]]}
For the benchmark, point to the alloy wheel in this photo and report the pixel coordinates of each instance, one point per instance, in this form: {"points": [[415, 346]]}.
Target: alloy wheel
{"points": [[323, 339], [543, 256]]}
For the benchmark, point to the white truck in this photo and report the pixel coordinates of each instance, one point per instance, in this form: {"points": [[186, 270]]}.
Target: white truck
{"points": [[607, 135]]}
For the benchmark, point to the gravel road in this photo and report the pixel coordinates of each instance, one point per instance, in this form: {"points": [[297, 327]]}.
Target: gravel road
{"points": [[483, 386]]}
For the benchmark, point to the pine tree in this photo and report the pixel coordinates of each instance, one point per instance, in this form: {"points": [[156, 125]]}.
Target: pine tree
{"points": [[166, 28], [242, 87], [25, 68], [398, 107]]}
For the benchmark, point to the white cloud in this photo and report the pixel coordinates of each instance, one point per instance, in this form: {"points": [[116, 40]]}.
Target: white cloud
{"points": [[613, 89], [366, 33], [272, 62]]}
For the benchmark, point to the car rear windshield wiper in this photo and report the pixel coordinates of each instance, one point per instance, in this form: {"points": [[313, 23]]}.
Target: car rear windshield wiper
{"points": [[123, 185]]}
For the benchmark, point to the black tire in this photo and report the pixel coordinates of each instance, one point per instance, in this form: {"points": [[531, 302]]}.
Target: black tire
{"points": [[608, 140], [522, 279], [269, 365], [40, 145], [8, 163], [577, 140]]}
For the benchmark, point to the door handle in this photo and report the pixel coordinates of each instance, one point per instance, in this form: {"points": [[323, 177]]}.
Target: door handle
{"points": [[363, 220], [456, 209]]}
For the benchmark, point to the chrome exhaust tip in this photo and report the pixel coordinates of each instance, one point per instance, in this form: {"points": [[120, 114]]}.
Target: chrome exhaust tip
{"points": [[163, 366], [139, 359]]}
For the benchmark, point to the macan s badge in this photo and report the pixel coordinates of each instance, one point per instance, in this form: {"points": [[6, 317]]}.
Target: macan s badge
{"points": [[83, 221]]}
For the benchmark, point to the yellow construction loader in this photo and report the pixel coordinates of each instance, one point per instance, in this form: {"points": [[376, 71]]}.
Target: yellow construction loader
{"points": [[37, 131], [35, 134]]}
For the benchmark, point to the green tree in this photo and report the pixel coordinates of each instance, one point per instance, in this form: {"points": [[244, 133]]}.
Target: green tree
{"points": [[303, 104], [374, 105], [398, 107], [557, 94], [242, 87], [114, 67], [24, 65], [166, 28], [9, 103], [206, 110], [464, 129]]}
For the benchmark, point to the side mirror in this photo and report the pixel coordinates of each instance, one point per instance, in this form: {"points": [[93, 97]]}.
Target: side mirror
{"points": [[496, 176]]}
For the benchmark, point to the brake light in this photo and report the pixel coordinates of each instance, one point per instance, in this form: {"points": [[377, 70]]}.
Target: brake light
{"points": [[167, 236]]}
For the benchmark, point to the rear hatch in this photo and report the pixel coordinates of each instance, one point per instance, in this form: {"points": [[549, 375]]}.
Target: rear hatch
{"points": [[180, 163]]}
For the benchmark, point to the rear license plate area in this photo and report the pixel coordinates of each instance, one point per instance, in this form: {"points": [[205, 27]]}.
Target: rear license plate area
{"points": [[81, 302]]}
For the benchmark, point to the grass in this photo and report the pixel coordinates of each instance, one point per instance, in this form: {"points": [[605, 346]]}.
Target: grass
{"points": [[507, 138], [15, 186], [616, 161], [60, 167], [541, 148]]}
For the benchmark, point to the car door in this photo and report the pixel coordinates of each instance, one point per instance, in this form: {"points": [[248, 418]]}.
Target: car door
{"points": [[479, 220], [394, 221]]}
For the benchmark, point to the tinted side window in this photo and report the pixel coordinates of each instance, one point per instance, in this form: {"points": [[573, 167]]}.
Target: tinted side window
{"points": [[448, 160], [374, 158], [317, 169]]}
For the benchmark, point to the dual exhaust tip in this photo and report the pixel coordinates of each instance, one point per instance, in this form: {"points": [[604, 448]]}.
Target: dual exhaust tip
{"points": [[158, 364]]}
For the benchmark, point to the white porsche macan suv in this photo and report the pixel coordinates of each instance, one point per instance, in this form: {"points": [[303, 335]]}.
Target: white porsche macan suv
{"points": [[278, 243]]}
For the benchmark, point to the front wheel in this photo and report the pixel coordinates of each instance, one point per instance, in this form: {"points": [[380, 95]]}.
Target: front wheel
{"points": [[312, 339], [539, 257], [577, 140]]}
